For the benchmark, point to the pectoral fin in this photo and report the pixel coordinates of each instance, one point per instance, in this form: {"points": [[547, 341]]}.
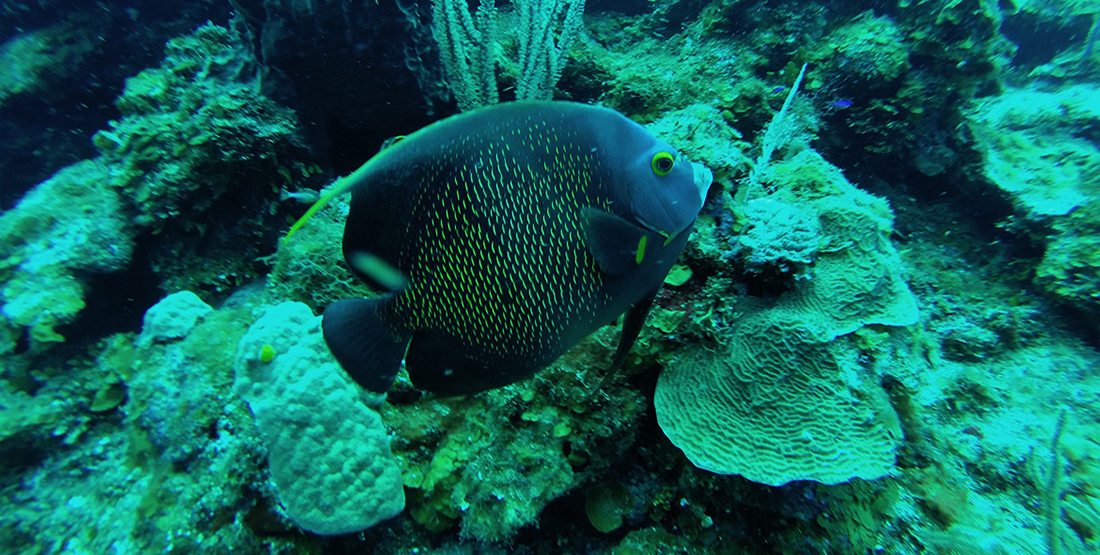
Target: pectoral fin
{"points": [[616, 244]]}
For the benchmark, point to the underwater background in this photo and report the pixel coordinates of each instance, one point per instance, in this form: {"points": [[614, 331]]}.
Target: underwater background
{"points": [[881, 338]]}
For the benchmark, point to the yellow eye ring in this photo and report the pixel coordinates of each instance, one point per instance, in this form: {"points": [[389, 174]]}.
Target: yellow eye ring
{"points": [[662, 163]]}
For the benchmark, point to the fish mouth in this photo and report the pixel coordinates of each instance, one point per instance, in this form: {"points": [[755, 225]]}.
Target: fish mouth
{"points": [[703, 177]]}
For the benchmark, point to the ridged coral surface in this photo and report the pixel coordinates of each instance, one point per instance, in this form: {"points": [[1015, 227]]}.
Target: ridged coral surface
{"points": [[775, 403], [329, 454]]}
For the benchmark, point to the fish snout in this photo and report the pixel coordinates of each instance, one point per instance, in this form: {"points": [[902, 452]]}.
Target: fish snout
{"points": [[703, 177]]}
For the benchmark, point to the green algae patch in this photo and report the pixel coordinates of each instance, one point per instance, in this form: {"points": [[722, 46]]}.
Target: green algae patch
{"points": [[678, 275], [605, 506], [108, 397]]}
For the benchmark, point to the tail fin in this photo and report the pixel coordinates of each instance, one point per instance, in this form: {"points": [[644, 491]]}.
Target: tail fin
{"points": [[359, 340]]}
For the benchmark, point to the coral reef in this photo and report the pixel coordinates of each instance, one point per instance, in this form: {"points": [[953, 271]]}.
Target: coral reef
{"points": [[172, 466], [303, 270], [903, 367], [192, 124], [777, 237], [190, 129], [60, 229], [781, 399], [868, 52], [533, 441], [329, 454], [1018, 134], [63, 67], [30, 63]]}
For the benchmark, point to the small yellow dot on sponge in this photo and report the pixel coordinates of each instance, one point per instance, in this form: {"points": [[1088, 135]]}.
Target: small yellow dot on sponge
{"points": [[267, 354]]}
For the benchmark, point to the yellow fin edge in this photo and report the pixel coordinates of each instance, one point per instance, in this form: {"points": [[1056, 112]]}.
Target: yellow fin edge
{"points": [[340, 187], [346, 183]]}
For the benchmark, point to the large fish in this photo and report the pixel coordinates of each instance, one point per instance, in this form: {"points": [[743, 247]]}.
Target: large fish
{"points": [[506, 235]]}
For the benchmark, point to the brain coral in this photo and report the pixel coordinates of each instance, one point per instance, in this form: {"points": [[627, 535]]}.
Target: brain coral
{"points": [[782, 399], [329, 454], [775, 405]]}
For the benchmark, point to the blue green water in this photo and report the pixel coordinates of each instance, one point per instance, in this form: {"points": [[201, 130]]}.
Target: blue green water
{"points": [[881, 336]]}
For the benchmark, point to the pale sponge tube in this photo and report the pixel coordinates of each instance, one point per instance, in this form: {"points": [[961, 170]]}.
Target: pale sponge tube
{"points": [[329, 453]]}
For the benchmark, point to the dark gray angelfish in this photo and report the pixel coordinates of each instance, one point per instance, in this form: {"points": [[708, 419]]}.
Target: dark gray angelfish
{"points": [[506, 235]]}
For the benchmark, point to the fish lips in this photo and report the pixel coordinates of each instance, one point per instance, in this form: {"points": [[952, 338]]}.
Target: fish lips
{"points": [[703, 177]]}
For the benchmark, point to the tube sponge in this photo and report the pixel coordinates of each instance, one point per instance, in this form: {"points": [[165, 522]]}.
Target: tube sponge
{"points": [[329, 454]]}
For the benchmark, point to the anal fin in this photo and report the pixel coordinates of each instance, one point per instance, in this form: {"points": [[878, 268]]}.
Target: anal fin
{"points": [[444, 364]]}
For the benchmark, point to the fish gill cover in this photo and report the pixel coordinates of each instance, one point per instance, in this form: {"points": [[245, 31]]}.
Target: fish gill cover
{"points": [[880, 335]]}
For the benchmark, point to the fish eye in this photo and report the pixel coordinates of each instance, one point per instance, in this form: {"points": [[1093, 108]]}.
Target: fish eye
{"points": [[662, 163]]}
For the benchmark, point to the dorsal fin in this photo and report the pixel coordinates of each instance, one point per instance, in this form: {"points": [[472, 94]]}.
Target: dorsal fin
{"points": [[343, 185]]}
